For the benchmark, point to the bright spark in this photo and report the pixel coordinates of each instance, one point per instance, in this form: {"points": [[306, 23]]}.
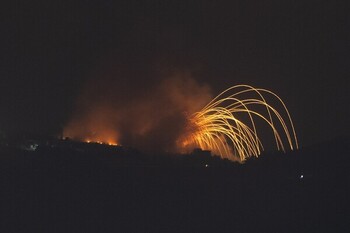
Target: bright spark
{"points": [[217, 128]]}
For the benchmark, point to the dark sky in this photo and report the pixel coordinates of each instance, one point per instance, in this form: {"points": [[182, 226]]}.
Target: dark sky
{"points": [[298, 49]]}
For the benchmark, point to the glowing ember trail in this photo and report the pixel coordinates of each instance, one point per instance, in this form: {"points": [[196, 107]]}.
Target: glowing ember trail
{"points": [[218, 126]]}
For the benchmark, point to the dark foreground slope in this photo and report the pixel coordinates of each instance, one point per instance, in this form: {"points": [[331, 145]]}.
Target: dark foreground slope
{"points": [[120, 190]]}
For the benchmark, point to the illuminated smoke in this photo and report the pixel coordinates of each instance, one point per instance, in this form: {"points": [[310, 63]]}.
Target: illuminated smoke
{"points": [[95, 125], [150, 118]]}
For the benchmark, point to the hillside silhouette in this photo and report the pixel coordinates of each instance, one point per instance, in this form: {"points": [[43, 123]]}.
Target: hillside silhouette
{"points": [[65, 186]]}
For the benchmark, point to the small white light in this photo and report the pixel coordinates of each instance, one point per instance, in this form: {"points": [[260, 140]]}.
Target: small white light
{"points": [[206, 165], [301, 176]]}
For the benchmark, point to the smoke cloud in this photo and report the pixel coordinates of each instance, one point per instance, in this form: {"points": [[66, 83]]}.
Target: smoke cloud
{"points": [[150, 116]]}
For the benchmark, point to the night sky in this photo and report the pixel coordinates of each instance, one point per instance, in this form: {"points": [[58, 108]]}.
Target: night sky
{"points": [[50, 50]]}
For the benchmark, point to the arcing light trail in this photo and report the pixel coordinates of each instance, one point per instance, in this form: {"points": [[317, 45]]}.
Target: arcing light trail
{"points": [[232, 125], [218, 128]]}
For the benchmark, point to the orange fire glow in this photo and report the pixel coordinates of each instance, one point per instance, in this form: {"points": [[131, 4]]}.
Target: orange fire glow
{"points": [[150, 119], [110, 143], [92, 133]]}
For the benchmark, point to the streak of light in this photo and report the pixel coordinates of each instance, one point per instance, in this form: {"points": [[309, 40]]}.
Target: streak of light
{"points": [[218, 128]]}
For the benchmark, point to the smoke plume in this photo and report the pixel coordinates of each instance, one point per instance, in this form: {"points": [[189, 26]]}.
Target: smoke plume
{"points": [[150, 116]]}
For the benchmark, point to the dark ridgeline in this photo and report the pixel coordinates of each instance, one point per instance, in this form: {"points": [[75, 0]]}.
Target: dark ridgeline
{"points": [[66, 186]]}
